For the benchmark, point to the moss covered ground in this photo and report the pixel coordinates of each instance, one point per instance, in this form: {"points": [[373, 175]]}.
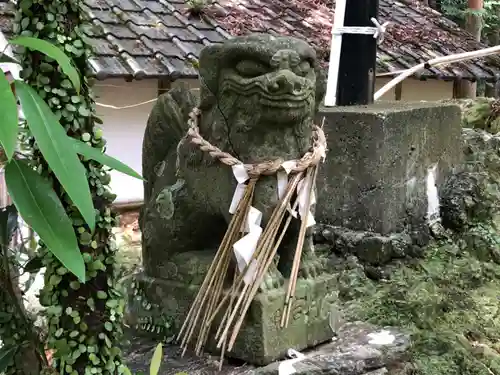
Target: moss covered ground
{"points": [[449, 299]]}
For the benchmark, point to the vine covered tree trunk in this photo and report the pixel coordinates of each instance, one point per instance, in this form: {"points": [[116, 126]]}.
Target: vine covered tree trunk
{"points": [[84, 320], [15, 325], [22, 353]]}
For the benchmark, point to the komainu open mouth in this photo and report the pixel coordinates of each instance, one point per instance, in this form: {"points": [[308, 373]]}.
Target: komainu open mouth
{"points": [[284, 103]]}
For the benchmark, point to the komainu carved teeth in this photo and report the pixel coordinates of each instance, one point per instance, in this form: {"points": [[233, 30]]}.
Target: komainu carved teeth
{"points": [[283, 104]]}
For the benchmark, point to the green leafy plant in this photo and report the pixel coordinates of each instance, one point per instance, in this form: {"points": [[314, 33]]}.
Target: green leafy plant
{"points": [[457, 11], [154, 366], [84, 320], [33, 195], [19, 336], [51, 195], [196, 7]]}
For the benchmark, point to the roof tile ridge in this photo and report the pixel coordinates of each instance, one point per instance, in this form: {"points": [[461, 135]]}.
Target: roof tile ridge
{"points": [[175, 39], [131, 63], [139, 6], [163, 59], [105, 30], [214, 23]]}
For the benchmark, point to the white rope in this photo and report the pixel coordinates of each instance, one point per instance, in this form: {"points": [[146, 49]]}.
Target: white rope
{"points": [[443, 60], [126, 106], [378, 30], [125, 86]]}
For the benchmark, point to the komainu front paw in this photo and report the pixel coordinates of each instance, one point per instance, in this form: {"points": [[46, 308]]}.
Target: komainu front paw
{"points": [[273, 279], [312, 267]]}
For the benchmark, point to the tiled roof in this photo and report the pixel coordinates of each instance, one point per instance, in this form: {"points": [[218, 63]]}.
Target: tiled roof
{"points": [[159, 38], [140, 38], [417, 33]]}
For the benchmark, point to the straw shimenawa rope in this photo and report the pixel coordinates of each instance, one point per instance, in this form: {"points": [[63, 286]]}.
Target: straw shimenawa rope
{"points": [[267, 168], [211, 297]]}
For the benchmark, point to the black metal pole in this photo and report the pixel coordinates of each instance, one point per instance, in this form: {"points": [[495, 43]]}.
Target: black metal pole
{"points": [[358, 57]]}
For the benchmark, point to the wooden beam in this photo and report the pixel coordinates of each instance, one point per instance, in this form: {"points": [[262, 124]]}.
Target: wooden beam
{"points": [[398, 91], [473, 24], [127, 206], [358, 57], [163, 85]]}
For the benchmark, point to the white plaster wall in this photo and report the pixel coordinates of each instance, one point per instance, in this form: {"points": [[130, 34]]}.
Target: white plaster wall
{"points": [[124, 129], [192, 83], [415, 90]]}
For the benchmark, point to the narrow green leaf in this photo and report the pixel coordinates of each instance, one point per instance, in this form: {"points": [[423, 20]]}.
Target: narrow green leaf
{"points": [[9, 123], [40, 207], [53, 52], [57, 151], [8, 224], [7, 356], [33, 265], [95, 154], [154, 367], [5, 317], [4, 58]]}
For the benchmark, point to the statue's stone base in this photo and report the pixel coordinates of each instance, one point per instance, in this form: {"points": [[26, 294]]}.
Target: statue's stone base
{"points": [[261, 340]]}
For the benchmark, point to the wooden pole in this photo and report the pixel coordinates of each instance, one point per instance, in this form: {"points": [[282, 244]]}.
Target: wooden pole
{"points": [[473, 24], [335, 50], [356, 82]]}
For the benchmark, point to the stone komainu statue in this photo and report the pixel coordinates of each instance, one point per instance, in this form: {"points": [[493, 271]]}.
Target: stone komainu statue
{"points": [[258, 98]]}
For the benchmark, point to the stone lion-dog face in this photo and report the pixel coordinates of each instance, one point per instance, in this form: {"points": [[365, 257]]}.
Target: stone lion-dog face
{"points": [[260, 85]]}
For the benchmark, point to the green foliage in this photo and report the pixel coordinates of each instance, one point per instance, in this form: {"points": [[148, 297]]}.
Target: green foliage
{"points": [[50, 50], [448, 301], [7, 354], [196, 6], [154, 366], [491, 16], [454, 9], [84, 319], [17, 331], [482, 113], [53, 143], [41, 208], [458, 9], [55, 190], [91, 153], [8, 117], [9, 319], [7, 59]]}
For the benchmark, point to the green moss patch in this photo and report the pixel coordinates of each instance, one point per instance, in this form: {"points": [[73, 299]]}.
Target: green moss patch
{"points": [[449, 301]]}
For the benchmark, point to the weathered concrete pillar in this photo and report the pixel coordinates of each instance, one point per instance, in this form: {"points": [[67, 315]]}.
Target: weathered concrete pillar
{"points": [[381, 161]]}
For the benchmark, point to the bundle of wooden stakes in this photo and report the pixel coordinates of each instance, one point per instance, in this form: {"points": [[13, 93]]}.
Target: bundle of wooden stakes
{"points": [[212, 299], [231, 305]]}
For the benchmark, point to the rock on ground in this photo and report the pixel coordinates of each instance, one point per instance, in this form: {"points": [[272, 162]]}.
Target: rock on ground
{"points": [[358, 349]]}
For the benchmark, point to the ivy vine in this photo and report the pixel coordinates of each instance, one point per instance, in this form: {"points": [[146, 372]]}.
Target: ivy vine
{"points": [[84, 319]]}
